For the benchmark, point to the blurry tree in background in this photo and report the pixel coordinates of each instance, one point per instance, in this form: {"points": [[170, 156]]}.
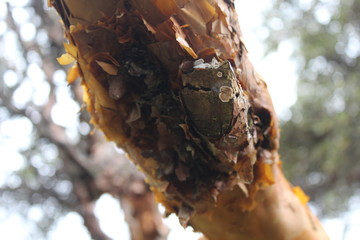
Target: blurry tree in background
{"points": [[50, 164], [320, 141]]}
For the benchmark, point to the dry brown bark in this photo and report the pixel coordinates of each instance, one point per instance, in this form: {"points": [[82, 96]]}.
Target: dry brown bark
{"points": [[169, 81]]}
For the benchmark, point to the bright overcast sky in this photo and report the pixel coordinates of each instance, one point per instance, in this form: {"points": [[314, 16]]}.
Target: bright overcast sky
{"points": [[277, 69]]}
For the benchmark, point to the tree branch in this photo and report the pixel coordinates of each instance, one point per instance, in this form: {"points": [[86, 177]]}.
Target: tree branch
{"points": [[170, 82]]}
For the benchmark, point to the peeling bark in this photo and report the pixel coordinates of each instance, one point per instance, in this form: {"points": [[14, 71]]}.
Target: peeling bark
{"points": [[170, 83]]}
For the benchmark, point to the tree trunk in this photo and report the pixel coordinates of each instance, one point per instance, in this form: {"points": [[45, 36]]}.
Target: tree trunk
{"points": [[169, 81]]}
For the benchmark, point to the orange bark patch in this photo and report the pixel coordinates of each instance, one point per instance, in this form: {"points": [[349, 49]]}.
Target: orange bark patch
{"points": [[266, 175], [301, 195]]}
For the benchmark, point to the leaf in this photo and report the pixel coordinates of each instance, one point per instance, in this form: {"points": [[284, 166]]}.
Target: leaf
{"points": [[243, 188], [184, 44], [73, 74], [65, 59], [108, 68], [135, 114], [71, 49], [186, 130]]}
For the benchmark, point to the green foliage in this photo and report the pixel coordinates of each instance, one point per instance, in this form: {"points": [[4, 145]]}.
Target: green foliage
{"points": [[319, 144]]}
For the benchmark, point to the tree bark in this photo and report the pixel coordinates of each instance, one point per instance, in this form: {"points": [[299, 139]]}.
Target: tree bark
{"points": [[169, 81]]}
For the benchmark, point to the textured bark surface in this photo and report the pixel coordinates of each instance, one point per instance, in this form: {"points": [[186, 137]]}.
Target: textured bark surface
{"points": [[169, 81]]}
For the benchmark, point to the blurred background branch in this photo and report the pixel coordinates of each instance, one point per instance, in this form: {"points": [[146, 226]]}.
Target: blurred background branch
{"points": [[320, 133]]}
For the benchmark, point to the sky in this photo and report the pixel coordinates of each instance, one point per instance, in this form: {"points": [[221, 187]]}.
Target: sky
{"points": [[278, 76], [277, 69]]}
